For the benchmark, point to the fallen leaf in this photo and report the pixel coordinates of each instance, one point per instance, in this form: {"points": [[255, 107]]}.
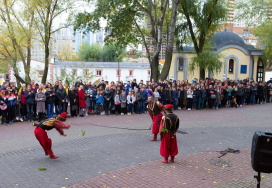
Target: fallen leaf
{"points": [[66, 178], [104, 185], [42, 169]]}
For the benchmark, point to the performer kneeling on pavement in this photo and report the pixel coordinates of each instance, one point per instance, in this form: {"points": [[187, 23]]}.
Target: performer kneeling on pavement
{"points": [[168, 128], [154, 110], [46, 125]]}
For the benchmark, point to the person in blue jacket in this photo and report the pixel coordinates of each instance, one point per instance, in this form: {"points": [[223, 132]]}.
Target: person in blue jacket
{"points": [[144, 98], [99, 102], [30, 101], [195, 98], [175, 98]]}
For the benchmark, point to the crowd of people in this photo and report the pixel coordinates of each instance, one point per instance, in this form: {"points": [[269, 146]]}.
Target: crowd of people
{"points": [[40, 101]]}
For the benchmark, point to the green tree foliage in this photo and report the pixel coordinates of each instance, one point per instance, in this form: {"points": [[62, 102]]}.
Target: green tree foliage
{"points": [[207, 60], [90, 52], [264, 32], [132, 22], [258, 15], [111, 53], [202, 20]]}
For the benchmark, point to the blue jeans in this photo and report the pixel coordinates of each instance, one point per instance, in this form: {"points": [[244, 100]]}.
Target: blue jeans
{"points": [[199, 102], [243, 100], [130, 106], [50, 110], [175, 104], [142, 106], [252, 99], [29, 109], [62, 107], [92, 105]]}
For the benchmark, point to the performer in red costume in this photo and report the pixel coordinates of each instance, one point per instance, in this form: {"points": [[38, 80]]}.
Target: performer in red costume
{"points": [[168, 128], [154, 110], [46, 125]]}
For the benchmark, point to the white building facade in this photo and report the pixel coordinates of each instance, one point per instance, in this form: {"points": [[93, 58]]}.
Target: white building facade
{"points": [[87, 71]]}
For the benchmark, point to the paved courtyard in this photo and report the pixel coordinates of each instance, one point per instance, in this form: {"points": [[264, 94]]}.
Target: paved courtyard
{"points": [[116, 152]]}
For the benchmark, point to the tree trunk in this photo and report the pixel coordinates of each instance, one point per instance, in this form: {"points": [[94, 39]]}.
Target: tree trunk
{"points": [[170, 41], [155, 68], [46, 63], [202, 74]]}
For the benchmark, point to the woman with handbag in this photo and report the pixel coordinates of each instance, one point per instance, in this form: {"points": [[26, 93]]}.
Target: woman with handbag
{"points": [[212, 96], [117, 102]]}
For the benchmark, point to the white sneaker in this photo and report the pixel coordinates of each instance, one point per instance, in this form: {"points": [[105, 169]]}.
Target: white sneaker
{"points": [[189, 108], [241, 106], [86, 115], [122, 114], [21, 119], [179, 108], [17, 118]]}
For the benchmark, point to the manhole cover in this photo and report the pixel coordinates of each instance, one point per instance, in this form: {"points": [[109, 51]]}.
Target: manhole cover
{"points": [[220, 162]]}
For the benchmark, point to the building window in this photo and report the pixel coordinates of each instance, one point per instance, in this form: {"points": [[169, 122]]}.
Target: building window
{"points": [[180, 64], [118, 73], [40, 73], [86, 72], [231, 65], [99, 72], [74, 72], [131, 73]]}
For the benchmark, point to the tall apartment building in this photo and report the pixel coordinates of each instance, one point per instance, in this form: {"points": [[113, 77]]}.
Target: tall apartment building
{"points": [[239, 26], [64, 44]]}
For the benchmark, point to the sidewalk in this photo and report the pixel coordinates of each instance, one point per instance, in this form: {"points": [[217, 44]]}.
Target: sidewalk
{"points": [[192, 170]]}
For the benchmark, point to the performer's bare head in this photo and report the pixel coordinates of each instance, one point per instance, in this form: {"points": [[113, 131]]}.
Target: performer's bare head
{"points": [[150, 99]]}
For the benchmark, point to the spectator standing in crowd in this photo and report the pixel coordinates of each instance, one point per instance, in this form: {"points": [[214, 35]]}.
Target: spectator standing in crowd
{"points": [[130, 101], [73, 104], [87, 102], [143, 100], [190, 98], [81, 102], [23, 104], [117, 102], [138, 101], [253, 93], [175, 98], [50, 100], [10, 101], [99, 102], [30, 102], [18, 106], [123, 98], [40, 100], [66, 88], [62, 96], [107, 98]]}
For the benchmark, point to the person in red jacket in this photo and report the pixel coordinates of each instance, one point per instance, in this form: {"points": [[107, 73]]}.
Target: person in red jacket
{"points": [[46, 125], [154, 110], [168, 128], [81, 99]]}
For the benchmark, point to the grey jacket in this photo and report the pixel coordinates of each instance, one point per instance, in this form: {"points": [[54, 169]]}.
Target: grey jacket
{"points": [[40, 103]]}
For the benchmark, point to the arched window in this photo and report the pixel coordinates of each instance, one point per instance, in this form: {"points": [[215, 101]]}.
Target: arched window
{"points": [[180, 64], [231, 65]]}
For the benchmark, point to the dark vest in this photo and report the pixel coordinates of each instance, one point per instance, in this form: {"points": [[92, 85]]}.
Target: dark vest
{"points": [[155, 108], [47, 124], [171, 122]]}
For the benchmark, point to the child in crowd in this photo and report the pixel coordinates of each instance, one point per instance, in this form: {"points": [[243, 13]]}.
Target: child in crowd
{"points": [[117, 102], [123, 99], [99, 102]]}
